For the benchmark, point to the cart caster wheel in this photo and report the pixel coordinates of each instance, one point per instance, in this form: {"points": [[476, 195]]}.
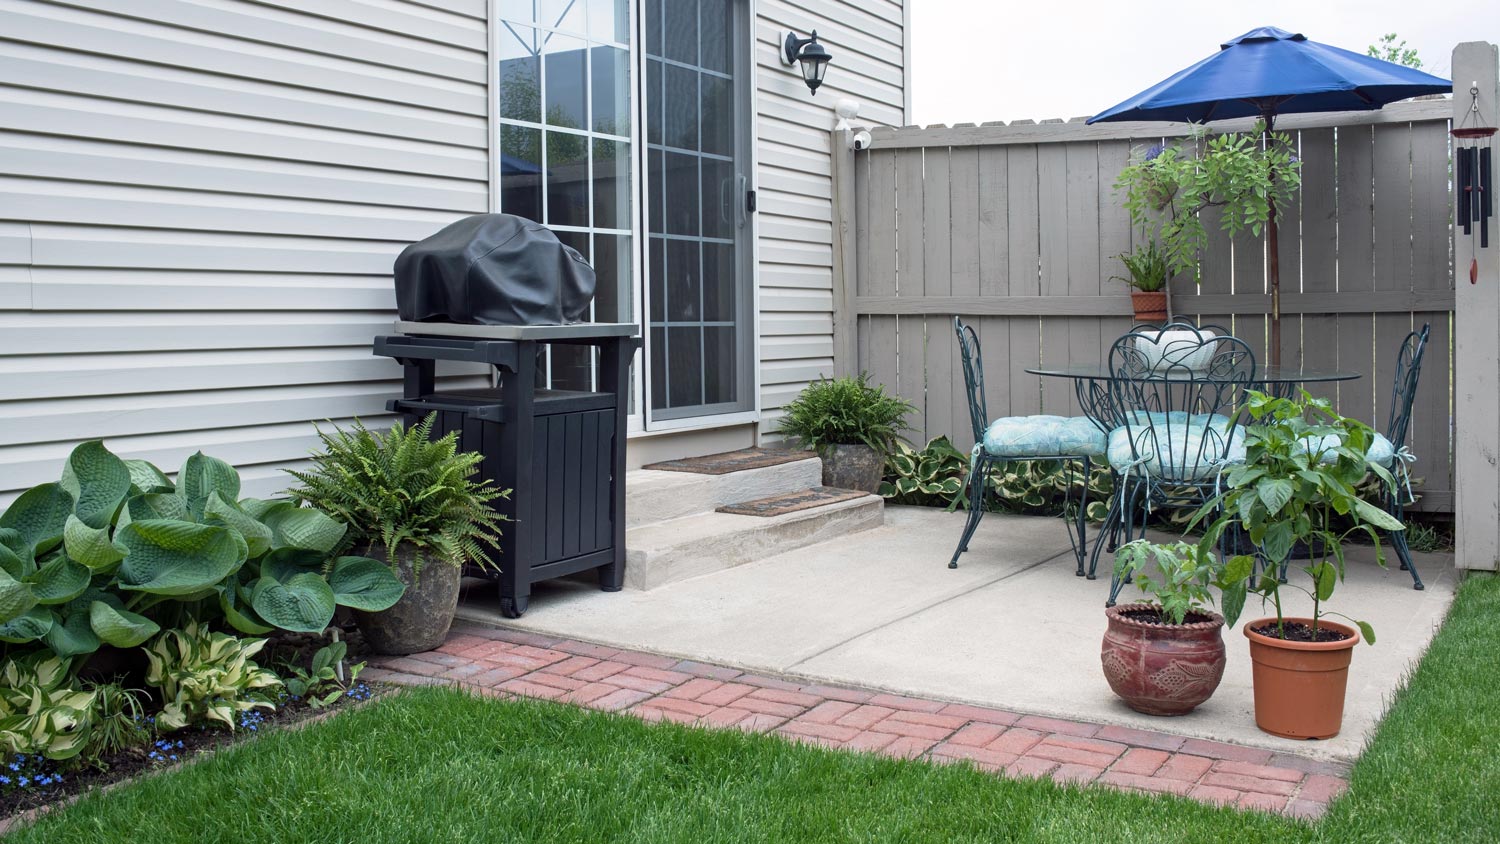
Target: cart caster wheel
{"points": [[513, 607]]}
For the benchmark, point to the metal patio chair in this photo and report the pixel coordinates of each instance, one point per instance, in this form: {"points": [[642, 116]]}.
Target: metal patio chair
{"points": [[1179, 408], [1014, 438], [1403, 393]]}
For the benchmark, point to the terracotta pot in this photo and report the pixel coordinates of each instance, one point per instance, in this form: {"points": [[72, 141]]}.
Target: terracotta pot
{"points": [[420, 620], [1162, 669], [1149, 307], [853, 467], [1299, 686]]}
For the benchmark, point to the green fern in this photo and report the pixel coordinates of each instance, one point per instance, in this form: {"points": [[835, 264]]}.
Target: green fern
{"points": [[845, 411], [401, 486]]}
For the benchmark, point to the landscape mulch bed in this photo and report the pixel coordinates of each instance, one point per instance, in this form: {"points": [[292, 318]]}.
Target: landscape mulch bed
{"points": [[196, 740]]}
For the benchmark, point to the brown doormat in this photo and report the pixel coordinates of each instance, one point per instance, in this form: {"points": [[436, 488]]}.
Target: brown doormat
{"points": [[732, 461], [791, 502]]}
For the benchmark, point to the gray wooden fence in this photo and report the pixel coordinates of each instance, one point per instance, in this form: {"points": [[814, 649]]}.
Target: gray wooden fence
{"points": [[1017, 228]]}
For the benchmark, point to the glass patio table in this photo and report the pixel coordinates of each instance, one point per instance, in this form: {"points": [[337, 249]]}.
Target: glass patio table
{"points": [[1279, 381]]}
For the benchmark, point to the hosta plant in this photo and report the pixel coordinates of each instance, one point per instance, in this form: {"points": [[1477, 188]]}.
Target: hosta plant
{"points": [[401, 487], [203, 676], [931, 477], [115, 551], [937, 476], [41, 713]]}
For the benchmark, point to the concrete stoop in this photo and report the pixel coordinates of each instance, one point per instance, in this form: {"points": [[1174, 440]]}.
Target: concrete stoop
{"points": [[674, 534]]}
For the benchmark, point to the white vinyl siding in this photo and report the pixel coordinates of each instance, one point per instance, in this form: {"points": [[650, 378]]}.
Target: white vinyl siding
{"points": [[200, 203], [793, 174]]}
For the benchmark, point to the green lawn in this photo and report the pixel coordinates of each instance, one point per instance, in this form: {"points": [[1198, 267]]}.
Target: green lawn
{"points": [[438, 765]]}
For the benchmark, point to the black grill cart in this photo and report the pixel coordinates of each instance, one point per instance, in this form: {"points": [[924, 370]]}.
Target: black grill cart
{"points": [[561, 452]]}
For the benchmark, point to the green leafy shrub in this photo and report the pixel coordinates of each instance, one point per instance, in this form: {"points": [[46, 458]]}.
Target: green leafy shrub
{"points": [[845, 411], [1299, 485], [403, 487], [207, 676], [114, 552], [321, 683], [40, 712]]}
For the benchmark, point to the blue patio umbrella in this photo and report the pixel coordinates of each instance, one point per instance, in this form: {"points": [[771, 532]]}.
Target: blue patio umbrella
{"points": [[1268, 72]]}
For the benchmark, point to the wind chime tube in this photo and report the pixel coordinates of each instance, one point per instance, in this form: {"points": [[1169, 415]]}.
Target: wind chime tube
{"points": [[1461, 182], [1486, 203]]}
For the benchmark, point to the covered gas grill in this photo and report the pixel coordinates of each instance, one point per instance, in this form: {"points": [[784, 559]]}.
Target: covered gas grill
{"points": [[499, 290]]}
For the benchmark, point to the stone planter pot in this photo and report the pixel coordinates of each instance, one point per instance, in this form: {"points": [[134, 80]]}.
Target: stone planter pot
{"points": [[853, 467], [1150, 306], [1162, 669], [1299, 686], [420, 620]]}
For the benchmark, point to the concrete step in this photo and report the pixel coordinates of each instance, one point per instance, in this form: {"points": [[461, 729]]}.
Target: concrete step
{"points": [[653, 496], [691, 546]]}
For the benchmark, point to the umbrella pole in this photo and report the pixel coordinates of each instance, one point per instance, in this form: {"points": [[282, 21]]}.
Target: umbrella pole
{"points": [[1275, 253]]}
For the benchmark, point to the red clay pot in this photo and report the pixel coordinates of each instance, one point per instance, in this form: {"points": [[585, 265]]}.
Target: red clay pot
{"points": [[1162, 669], [1149, 307], [1299, 686]]}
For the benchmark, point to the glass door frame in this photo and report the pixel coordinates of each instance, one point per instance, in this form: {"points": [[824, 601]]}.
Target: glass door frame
{"points": [[743, 70]]}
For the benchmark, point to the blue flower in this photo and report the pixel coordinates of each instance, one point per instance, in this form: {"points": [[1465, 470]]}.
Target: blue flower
{"points": [[24, 782], [1153, 151], [4, 780]]}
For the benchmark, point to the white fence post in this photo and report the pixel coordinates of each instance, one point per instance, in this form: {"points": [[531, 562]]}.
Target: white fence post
{"points": [[1476, 382]]}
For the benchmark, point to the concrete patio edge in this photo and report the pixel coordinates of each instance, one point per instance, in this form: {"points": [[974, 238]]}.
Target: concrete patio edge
{"points": [[655, 687]]}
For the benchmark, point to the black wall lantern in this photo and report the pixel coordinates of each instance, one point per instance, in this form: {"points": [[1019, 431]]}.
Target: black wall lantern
{"points": [[813, 56]]}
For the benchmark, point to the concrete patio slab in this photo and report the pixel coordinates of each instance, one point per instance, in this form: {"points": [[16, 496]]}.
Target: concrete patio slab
{"points": [[1011, 628]]}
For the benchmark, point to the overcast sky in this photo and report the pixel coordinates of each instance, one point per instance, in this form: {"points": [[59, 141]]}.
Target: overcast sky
{"points": [[979, 60]]}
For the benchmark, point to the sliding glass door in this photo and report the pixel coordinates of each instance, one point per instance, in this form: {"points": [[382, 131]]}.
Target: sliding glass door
{"points": [[699, 340]]}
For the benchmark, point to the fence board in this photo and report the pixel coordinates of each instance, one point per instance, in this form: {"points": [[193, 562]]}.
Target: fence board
{"points": [[1319, 243]]}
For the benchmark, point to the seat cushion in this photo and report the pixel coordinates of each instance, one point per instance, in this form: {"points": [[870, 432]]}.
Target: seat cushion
{"points": [[1381, 452], [1020, 437], [1176, 446]]}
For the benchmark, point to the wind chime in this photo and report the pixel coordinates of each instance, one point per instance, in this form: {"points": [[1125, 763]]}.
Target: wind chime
{"points": [[1474, 178]]}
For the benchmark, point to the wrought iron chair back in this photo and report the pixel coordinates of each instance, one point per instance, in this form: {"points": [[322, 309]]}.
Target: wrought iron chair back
{"points": [[973, 363], [1404, 391], [1180, 402]]}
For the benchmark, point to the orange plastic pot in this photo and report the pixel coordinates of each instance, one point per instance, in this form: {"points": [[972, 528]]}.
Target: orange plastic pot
{"points": [[1299, 686]]}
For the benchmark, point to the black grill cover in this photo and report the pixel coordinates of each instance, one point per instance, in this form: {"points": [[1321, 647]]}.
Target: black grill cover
{"points": [[493, 269]]}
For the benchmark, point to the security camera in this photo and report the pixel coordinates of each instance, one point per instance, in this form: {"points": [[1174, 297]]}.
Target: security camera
{"points": [[861, 140]]}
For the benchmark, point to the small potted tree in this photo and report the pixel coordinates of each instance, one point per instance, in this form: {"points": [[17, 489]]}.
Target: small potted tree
{"points": [[1167, 656], [852, 425], [412, 503], [1146, 274], [1298, 484], [1168, 187]]}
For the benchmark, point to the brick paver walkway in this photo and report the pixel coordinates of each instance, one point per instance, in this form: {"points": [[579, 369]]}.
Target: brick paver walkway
{"points": [[658, 688]]}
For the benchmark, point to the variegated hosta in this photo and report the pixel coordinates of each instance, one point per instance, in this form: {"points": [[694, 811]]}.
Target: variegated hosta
{"points": [[114, 550], [204, 675], [40, 713], [938, 476]]}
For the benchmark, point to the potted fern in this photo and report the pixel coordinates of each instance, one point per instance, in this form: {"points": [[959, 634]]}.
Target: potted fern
{"points": [[1147, 277], [413, 503], [852, 425]]}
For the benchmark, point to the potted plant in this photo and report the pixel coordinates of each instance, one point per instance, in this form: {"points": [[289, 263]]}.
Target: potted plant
{"points": [[852, 425], [1147, 275], [1298, 484], [1165, 657], [412, 503]]}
